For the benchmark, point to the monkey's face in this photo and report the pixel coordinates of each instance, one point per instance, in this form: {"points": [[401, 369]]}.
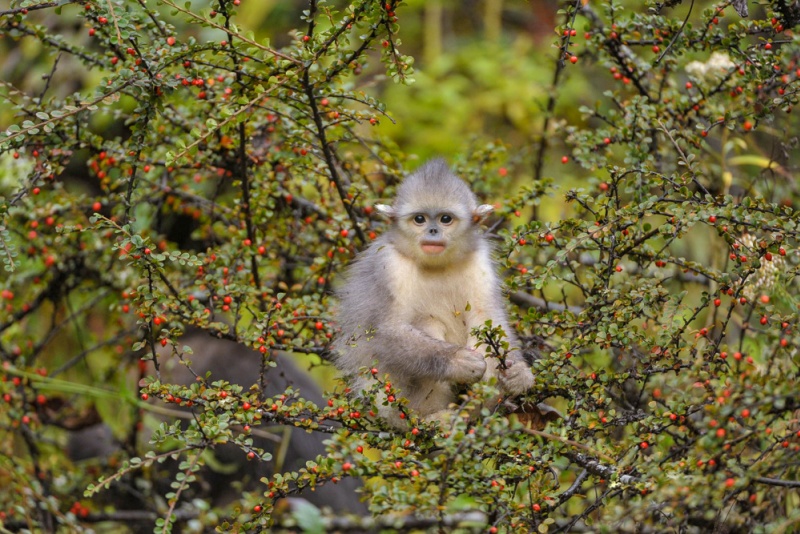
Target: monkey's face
{"points": [[435, 238]]}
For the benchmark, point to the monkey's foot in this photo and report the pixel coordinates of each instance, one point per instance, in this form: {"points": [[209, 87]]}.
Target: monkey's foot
{"points": [[517, 379]]}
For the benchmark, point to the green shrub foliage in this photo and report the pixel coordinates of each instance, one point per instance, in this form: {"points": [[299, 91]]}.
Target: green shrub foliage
{"points": [[165, 168]]}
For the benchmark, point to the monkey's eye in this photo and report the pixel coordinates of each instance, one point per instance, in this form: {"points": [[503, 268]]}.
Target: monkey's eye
{"points": [[419, 219], [446, 219]]}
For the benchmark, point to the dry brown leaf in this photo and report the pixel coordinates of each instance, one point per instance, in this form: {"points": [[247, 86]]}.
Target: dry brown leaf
{"points": [[536, 416]]}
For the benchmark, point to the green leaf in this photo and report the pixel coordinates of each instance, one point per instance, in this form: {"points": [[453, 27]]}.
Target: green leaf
{"points": [[308, 517]]}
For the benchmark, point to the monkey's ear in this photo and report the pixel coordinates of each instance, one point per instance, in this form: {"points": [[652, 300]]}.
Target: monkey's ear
{"points": [[385, 210], [481, 212]]}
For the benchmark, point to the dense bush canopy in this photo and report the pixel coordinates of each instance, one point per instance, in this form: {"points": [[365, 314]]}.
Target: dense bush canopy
{"points": [[176, 171]]}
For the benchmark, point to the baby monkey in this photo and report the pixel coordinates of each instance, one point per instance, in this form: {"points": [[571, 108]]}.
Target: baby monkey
{"points": [[411, 300]]}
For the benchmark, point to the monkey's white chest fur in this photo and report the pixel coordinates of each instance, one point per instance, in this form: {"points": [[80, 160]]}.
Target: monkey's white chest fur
{"points": [[444, 303]]}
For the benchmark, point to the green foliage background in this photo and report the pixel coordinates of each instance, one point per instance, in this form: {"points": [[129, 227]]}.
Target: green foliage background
{"points": [[168, 167]]}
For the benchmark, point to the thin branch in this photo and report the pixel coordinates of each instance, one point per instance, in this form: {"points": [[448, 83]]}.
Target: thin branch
{"points": [[84, 107], [568, 442], [596, 468], [238, 35], [677, 34], [778, 482], [116, 23], [329, 156]]}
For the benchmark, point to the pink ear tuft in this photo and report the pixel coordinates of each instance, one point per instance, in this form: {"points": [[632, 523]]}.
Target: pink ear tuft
{"points": [[385, 210], [481, 212]]}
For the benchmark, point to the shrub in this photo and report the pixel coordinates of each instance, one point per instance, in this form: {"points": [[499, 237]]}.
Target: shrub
{"points": [[203, 178]]}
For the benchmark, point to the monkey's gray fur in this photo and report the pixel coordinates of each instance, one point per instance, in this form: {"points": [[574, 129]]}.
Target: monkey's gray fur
{"points": [[411, 300]]}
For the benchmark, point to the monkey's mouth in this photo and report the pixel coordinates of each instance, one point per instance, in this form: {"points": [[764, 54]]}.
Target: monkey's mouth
{"points": [[432, 247]]}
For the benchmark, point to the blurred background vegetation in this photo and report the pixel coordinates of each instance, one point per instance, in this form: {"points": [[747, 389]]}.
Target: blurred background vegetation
{"points": [[606, 281]]}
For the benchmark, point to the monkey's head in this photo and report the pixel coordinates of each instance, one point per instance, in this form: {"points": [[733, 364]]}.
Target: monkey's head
{"points": [[435, 216]]}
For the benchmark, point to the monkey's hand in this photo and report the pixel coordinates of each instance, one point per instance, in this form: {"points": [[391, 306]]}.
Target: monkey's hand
{"points": [[516, 378], [467, 366]]}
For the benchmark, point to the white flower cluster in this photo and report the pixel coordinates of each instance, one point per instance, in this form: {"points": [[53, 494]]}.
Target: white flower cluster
{"points": [[717, 66], [764, 278]]}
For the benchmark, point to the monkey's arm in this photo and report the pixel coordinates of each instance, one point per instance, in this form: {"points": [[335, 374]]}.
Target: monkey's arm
{"points": [[409, 352]]}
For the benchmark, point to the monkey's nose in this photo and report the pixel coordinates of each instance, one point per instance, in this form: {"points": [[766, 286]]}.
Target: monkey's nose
{"points": [[433, 231]]}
